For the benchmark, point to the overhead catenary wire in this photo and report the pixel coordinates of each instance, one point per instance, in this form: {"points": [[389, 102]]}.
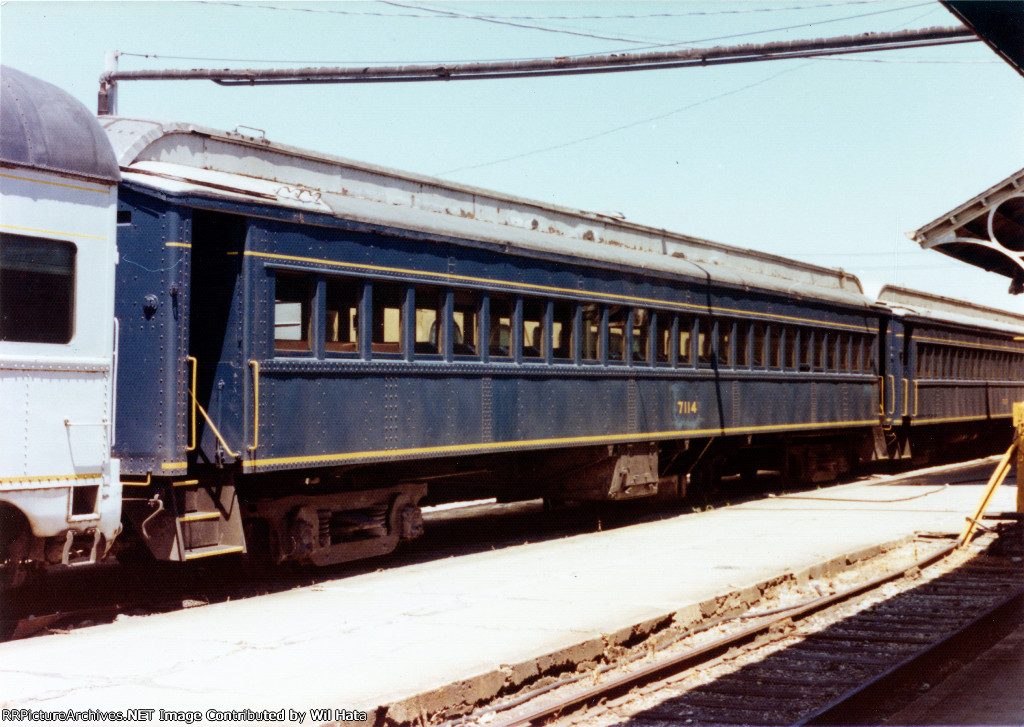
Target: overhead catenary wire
{"points": [[646, 45], [606, 16], [511, 20]]}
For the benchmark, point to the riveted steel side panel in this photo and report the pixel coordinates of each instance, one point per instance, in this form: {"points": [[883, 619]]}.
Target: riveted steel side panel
{"points": [[151, 305]]}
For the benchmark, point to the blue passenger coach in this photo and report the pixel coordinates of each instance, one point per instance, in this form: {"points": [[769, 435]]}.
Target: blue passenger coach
{"points": [[310, 345]]}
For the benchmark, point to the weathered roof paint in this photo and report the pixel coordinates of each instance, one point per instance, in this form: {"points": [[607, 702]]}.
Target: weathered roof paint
{"points": [[183, 158], [44, 127]]}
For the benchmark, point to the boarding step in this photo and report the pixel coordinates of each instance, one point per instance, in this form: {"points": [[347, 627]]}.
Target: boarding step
{"points": [[211, 550], [209, 522]]}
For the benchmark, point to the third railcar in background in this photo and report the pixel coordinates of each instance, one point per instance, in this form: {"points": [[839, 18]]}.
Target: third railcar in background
{"points": [[310, 345], [953, 370]]}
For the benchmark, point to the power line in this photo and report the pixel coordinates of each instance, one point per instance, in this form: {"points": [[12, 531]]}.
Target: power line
{"points": [[497, 21], [630, 16], [617, 129], [452, 15], [772, 30]]}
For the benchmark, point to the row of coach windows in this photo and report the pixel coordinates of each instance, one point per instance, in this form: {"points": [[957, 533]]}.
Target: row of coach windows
{"points": [[936, 361], [418, 321]]}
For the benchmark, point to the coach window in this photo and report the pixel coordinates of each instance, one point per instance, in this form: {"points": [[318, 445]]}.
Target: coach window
{"points": [[500, 327], [430, 320], [563, 324], [771, 346], [341, 322], [684, 340], [843, 351], [37, 290], [641, 338], [684, 347], [789, 348], [533, 327], [758, 340], [829, 346], [705, 341], [805, 348], [293, 294], [742, 343], [388, 316], [466, 329], [817, 349], [591, 332], [663, 336], [617, 333], [723, 349]]}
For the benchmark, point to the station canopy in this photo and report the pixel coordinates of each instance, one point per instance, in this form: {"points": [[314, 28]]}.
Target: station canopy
{"points": [[988, 230]]}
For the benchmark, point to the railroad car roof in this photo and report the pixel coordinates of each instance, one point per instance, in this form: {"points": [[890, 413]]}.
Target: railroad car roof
{"points": [[44, 127], [926, 305], [181, 158]]}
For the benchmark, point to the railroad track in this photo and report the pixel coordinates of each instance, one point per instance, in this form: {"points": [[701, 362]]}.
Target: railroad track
{"points": [[835, 660]]}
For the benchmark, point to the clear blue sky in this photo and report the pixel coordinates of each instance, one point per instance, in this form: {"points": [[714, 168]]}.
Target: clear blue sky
{"points": [[829, 161]]}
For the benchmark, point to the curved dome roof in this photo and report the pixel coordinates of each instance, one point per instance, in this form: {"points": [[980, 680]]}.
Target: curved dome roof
{"points": [[43, 127]]}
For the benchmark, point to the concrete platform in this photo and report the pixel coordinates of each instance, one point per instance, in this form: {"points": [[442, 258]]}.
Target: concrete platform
{"points": [[480, 620]]}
